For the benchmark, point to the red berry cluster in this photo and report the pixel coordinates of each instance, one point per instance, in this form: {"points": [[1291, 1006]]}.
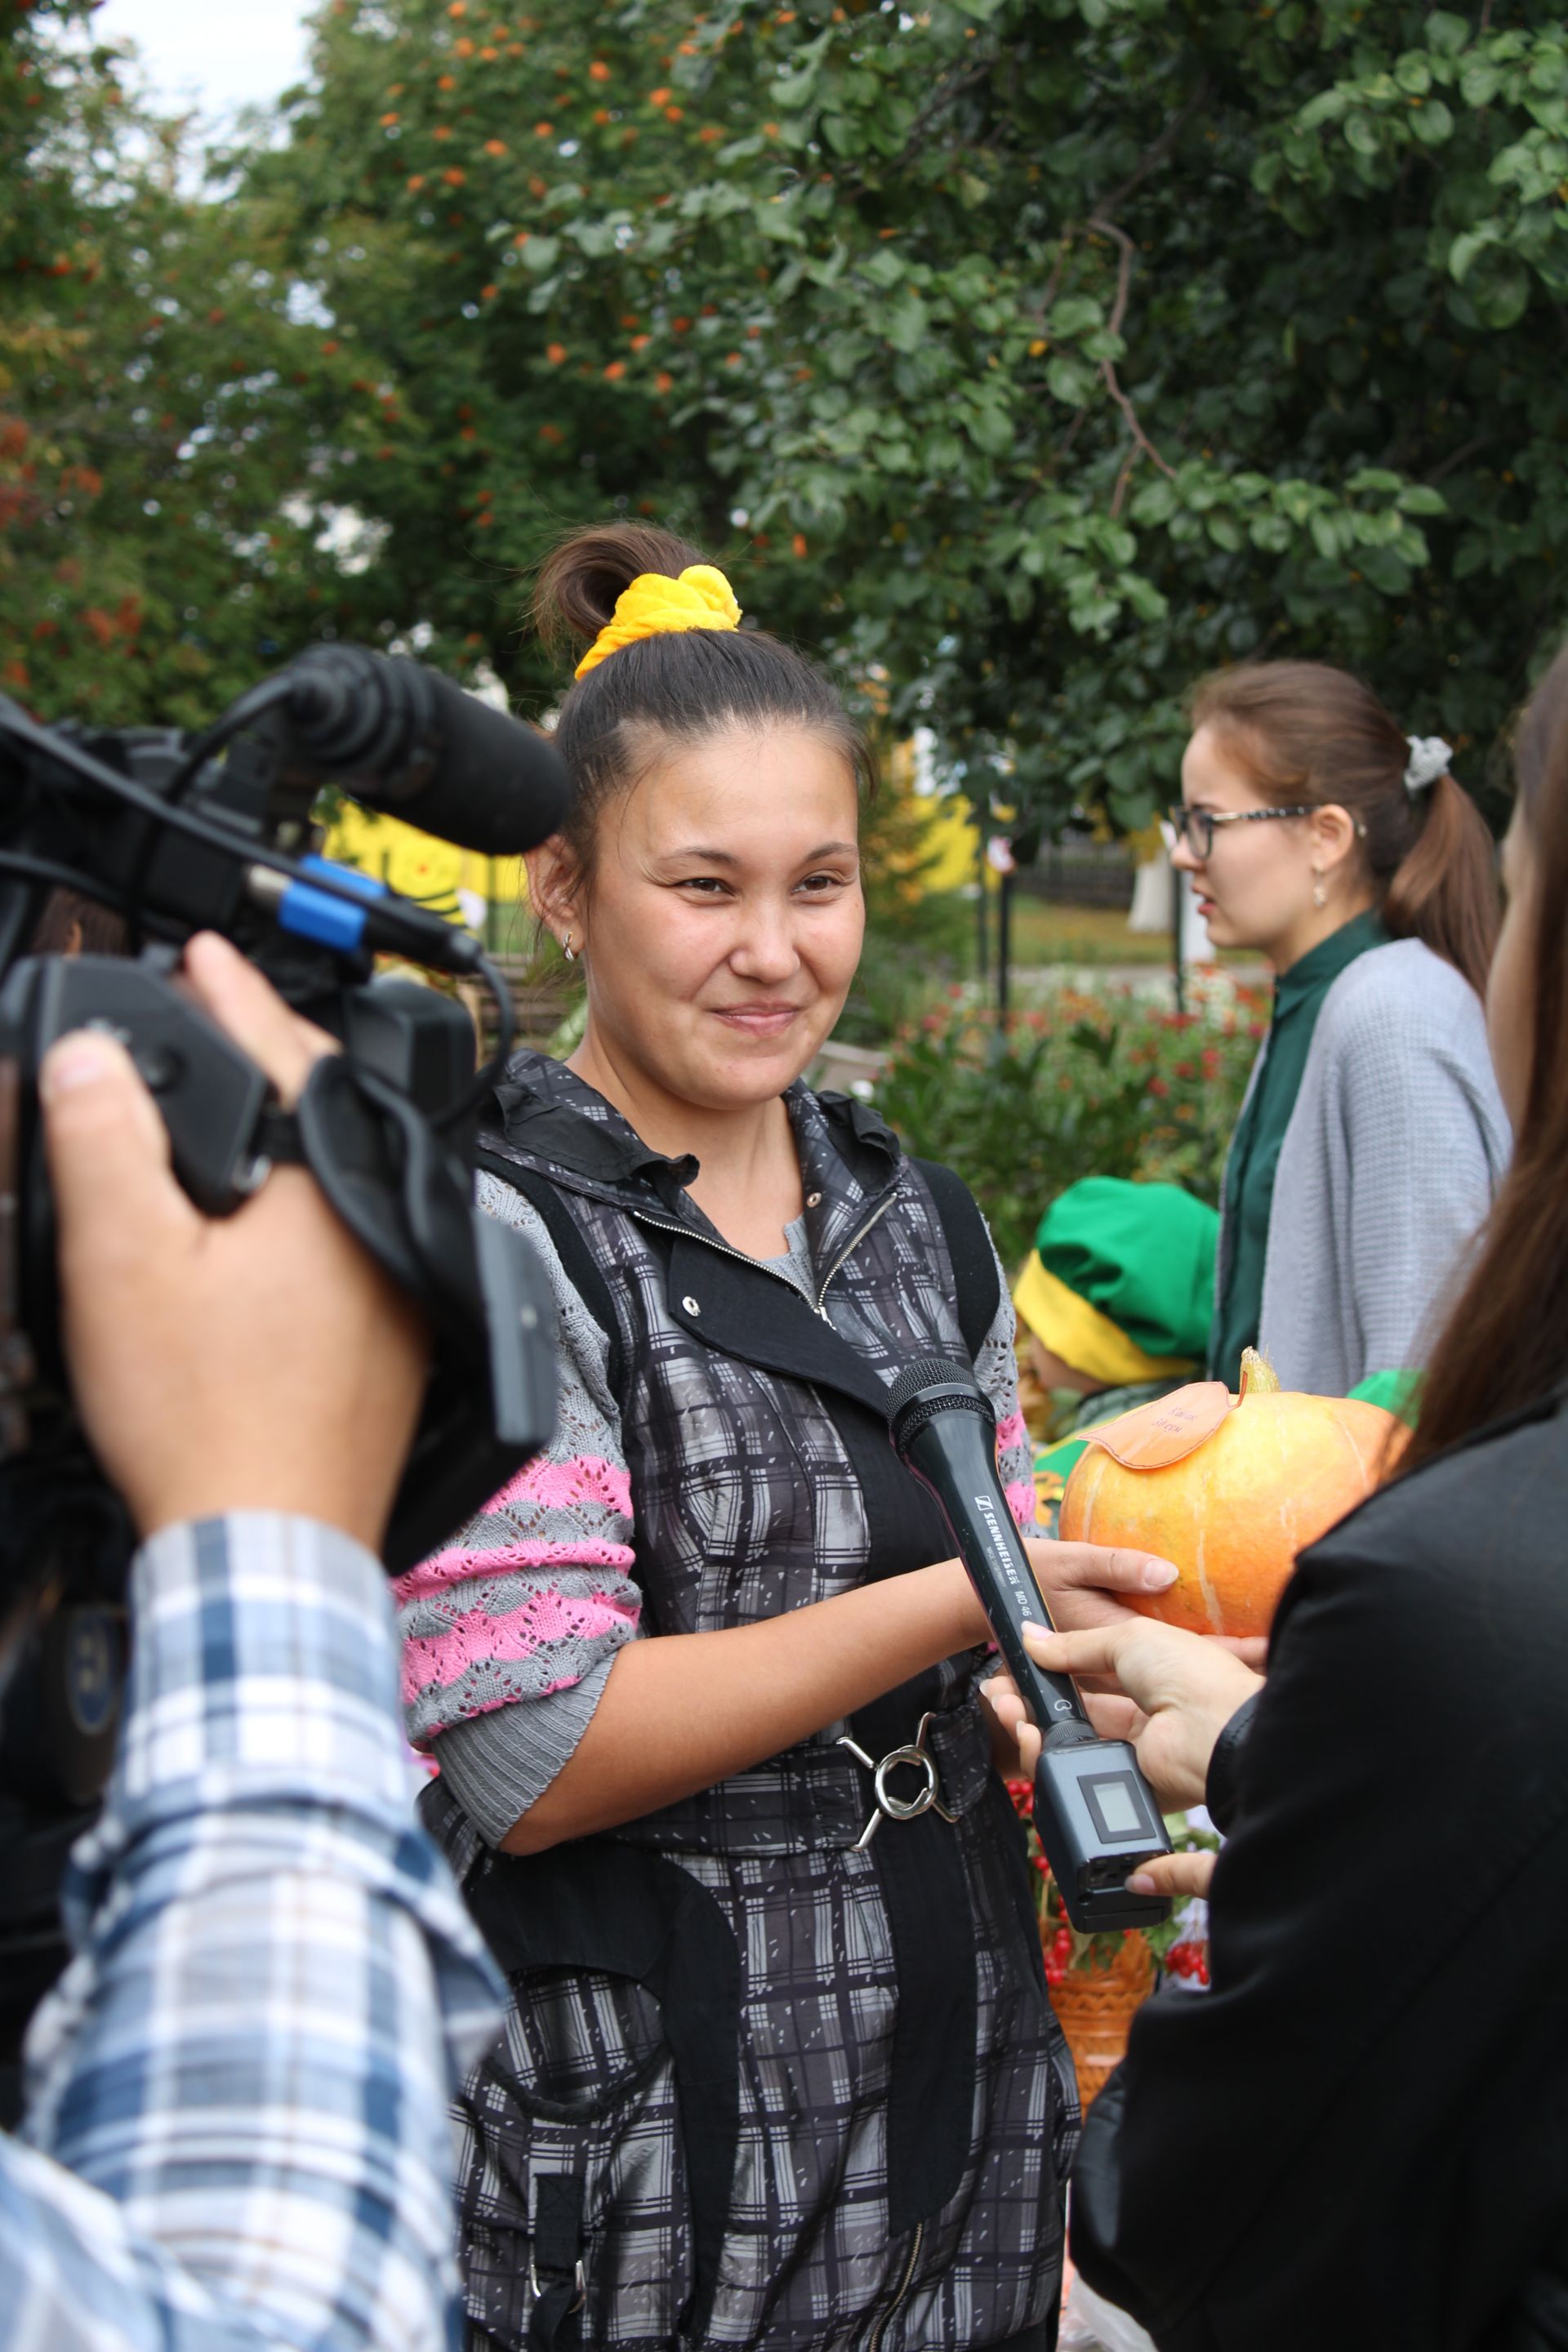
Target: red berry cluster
{"points": [[1189, 1960], [1023, 1796], [1058, 1952]]}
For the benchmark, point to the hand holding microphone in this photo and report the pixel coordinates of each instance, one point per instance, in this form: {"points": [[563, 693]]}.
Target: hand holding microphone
{"points": [[1096, 1814]]}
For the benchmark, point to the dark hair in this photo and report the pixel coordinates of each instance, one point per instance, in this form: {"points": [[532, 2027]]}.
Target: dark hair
{"points": [[96, 931], [1307, 732], [1505, 1343], [666, 688]]}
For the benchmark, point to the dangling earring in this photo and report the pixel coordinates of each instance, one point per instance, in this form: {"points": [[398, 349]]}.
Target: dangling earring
{"points": [[567, 949], [1319, 895]]}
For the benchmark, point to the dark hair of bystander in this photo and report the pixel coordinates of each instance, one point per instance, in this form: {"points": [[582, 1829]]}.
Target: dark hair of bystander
{"points": [[1505, 1343]]}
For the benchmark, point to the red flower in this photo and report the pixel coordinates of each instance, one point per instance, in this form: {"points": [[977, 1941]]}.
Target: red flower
{"points": [[1158, 1087]]}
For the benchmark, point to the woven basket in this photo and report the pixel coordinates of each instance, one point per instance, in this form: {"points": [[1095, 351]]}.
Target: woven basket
{"points": [[1096, 2008]]}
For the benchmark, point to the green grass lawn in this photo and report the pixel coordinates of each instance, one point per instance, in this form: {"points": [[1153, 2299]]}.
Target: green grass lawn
{"points": [[1047, 933]]}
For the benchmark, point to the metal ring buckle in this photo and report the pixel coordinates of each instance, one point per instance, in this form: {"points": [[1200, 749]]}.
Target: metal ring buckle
{"points": [[899, 1809], [579, 2282]]}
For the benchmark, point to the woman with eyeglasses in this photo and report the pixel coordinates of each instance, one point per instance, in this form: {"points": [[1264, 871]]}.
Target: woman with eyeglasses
{"points": [[1372, 1136]]}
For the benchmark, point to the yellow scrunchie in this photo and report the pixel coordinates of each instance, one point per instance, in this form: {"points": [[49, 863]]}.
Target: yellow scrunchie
{"points": [[701, 599]]}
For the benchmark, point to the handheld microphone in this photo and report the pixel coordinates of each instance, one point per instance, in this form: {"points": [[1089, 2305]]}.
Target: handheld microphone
{"points": [[402, 738], [1095, 1812]]}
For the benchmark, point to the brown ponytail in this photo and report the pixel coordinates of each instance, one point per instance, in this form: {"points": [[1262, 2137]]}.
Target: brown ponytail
{"points": [[1505, 1343], [666, 688], [1309, 733]]}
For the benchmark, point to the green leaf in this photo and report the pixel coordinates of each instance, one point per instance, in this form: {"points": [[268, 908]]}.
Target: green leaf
{"points": [[1497, 283], [1479, 82], [990, 429], [1421, 499], [1432, 123], [1070, 380], [1446, 33], [540, 253], [1075, 315], [1362, 134], [905, 322]]}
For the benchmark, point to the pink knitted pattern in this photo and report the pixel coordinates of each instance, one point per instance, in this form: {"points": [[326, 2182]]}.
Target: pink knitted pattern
{"points": [[478, 1639], [585, 1483], [1020, 1497], [1012, 1431]]}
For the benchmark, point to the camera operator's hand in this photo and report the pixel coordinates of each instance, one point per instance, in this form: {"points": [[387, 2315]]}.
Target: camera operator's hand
{"points": [[1178, 1690], [257, 1363]]}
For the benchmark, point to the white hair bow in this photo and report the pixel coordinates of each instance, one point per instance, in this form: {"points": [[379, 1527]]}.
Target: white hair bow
{"points": [[1429, 758]]}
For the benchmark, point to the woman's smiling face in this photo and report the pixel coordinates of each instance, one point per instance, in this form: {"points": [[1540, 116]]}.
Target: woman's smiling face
{"points": [[725, 917]]}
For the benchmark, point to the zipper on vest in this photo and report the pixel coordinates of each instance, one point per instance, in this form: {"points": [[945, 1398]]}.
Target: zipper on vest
{"points": [[896, 2304], [852, 1243]]}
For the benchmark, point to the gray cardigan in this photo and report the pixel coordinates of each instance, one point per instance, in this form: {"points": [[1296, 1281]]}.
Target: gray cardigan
{"points": [[1394, 1148]]}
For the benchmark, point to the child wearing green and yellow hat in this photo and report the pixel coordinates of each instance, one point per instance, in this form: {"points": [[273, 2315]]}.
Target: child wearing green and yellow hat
{"points": [[1114, 1306]]}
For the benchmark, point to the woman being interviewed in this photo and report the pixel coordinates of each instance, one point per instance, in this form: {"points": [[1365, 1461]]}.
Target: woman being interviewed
{"points": [[1356, 2138], [1372, 1137], [767, 2079]]}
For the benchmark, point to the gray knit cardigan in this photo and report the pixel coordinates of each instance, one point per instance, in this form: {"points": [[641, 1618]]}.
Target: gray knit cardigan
{"points": [[1393, 1152]]}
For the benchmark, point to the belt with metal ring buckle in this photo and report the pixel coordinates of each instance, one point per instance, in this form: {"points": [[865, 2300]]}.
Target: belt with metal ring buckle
{"points": [[899, 1809], [580, 2282]]}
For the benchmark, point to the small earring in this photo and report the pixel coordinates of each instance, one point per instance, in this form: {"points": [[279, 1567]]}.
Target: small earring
{"points": [[567, 949], [1319, 895]]}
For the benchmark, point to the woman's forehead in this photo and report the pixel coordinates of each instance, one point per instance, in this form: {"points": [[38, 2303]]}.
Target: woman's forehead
{"points": [[741, 792], [1214, 774]]}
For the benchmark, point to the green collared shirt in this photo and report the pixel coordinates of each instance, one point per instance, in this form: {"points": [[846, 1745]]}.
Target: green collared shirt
{"points": [[1254, 1158]]}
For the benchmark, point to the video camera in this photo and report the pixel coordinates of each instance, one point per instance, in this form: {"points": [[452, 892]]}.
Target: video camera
{"points": [[178, 834]]}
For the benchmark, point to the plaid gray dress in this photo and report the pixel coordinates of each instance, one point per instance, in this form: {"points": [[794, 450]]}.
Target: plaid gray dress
{"points": [[766, 2088]]}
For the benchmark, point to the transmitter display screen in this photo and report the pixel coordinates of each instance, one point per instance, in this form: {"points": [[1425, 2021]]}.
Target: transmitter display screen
{"points": [[1116, 1802]]}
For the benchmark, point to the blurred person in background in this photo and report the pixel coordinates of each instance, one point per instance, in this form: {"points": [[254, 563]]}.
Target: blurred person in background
{"points": [[1114, 1304], [1355, 2138], [1372, 1136]]}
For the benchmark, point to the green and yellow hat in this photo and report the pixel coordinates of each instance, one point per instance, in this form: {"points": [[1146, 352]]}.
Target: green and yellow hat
{"points": [[1119, 1284]]}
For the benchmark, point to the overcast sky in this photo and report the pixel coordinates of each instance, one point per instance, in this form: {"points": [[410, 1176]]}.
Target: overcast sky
{"points": [[218, 56]]}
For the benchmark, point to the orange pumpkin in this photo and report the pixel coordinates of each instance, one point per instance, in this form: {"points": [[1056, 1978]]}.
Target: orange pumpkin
{"points": [[1229, 1489]]}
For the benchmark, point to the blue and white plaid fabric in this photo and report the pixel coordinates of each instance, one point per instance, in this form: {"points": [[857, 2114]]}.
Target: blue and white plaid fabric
{"points": [[236, 2133]]}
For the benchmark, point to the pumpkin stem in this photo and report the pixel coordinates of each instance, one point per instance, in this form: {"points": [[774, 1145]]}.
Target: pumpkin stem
{"points": [[1259, 1377]]}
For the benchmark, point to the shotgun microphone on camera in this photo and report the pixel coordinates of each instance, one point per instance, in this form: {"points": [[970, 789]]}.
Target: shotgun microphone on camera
{"points": [[1095, 1812], [402, 739]]}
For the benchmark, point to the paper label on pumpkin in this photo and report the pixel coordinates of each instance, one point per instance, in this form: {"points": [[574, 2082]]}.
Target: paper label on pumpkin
{"points": [[1155, 1436]]}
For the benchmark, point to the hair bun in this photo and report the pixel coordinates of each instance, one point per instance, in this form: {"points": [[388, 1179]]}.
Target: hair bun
{"points": [[580, 580]]}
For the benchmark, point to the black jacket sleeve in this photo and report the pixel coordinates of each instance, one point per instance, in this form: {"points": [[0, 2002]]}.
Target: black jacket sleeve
{"points": [[1360, 2135]]}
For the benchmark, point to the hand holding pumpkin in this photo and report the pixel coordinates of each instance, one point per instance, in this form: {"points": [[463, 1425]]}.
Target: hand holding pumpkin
{"points": [[1096, 1583]]}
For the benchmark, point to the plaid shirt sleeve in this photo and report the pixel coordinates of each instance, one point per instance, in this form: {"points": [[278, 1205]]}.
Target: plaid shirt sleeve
{"points": [[236, 2133]]}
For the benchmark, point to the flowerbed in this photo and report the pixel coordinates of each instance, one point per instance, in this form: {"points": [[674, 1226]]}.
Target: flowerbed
{"points": [[1087, 1084]]}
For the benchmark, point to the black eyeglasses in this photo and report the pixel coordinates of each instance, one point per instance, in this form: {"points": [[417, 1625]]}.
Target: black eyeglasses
{"points": [[1194, 827]]}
